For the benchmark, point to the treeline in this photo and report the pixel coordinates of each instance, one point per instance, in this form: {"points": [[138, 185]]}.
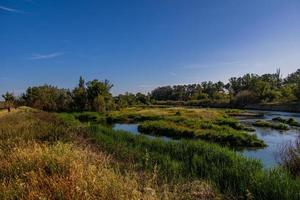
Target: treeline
{"points": [[96, 95], [93, 95], [239, 91]]}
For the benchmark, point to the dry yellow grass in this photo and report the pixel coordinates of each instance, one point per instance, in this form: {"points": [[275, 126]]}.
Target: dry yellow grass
{"points": [[39, 160], [203, 113]]}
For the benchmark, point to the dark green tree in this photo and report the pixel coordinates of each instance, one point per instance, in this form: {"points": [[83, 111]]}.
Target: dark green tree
{"points": [[79, 96], [9, 100], [98, 95]]}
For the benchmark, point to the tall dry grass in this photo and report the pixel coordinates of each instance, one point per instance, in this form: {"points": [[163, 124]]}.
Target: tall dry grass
{"points": [[42, 157]]}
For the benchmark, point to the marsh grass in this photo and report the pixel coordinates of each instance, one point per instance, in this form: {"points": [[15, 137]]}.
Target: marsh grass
{"points": [[44, 156], [290, 121], [208, 124], [193, 129], [186, 160], [289, 158], [267, 124]]}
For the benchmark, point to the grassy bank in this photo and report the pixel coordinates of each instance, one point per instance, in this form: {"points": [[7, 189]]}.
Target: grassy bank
{"points": [[44, 156], [188, 160]]}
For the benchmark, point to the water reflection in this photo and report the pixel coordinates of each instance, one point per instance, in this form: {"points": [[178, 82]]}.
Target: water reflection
{"points": [[275, 139], [133, 128]]}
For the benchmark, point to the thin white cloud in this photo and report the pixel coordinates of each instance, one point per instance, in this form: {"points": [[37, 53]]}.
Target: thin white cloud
{"points": [[46, 56], [7, 9]]}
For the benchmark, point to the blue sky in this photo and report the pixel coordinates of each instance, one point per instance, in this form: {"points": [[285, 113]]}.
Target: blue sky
{"points": [[141, 44]]}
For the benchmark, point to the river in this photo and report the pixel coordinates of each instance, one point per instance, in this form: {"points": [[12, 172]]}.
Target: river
{"points": [[275, 139]]}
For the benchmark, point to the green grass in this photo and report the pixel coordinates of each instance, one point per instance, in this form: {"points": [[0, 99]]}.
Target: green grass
{"points": [[278, 126], [166, 128], [208, 124], [221, 135], [186, 159], [44, 156]]}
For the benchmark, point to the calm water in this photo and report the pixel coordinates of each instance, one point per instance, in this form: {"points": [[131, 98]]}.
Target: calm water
{"points": [[273, 138], [133, 128]]}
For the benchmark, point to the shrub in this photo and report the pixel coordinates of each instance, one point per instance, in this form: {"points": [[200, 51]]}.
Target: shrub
{"points": [[289, 158]]}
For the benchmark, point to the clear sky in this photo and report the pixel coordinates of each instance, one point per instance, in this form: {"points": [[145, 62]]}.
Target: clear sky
{"points": [[141, 44]]}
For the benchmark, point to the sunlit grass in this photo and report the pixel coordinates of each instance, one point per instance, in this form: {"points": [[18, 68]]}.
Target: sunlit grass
{"points": [[44, 156]]}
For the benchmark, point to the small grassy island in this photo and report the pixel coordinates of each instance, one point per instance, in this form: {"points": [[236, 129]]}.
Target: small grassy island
{"points": [[268, 124], [208, 124]]}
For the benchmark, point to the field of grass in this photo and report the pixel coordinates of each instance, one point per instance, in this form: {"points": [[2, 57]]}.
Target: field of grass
{"points": [[188, 160], [213, 125], [44, 156], [234, 176], [55, 156]]}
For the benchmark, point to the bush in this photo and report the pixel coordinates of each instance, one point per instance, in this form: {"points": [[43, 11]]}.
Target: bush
{"points": [[290, 158]]}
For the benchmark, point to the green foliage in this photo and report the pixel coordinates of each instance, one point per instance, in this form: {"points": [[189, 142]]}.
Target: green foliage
{"points": [[238, 92], [9, 99], [94, 96], [289, 158], [43, 157], [205, 90], [99, 96], [79, 95], [166, 128], [179, 160], [48, 98], [206, 124], [129, 99], [211, 133]]}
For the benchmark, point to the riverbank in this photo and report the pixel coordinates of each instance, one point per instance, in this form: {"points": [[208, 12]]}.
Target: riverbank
{"points": [[290, 107], [293, 107]]}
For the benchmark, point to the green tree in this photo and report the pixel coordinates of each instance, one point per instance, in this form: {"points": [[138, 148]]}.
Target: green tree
{"points": [[48, 98], [293, 78], [297, 90], [79, 96], [9, 100], [98, 94]]}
